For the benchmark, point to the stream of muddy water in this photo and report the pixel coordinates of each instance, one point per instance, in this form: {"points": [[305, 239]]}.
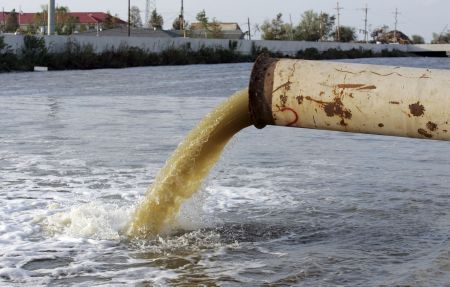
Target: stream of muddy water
{"points": [[187, 167]]}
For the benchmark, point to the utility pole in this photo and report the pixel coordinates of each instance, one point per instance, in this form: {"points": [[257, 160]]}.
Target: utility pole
{"points": [[181, 19], [51, 17], [129, 19], [396, 13], [147, 14], [249, 32], [338, 32], [366, 32], [321, 26], [291, 32]]}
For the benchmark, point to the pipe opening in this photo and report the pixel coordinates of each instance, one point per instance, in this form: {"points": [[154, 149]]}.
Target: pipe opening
{"points": [[260, 91]]}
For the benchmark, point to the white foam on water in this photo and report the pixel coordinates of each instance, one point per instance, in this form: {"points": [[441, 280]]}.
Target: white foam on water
{"points": [[75, 236], [91, 220], [107, 221]]}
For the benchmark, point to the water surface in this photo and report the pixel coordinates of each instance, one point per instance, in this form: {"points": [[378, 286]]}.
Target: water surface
{"points": [[283, 207]]}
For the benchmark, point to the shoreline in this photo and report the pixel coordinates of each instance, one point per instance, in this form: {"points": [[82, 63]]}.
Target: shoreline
{"points": [[83, 57]]}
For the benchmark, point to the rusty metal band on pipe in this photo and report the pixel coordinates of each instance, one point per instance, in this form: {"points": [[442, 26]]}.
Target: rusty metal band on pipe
{"points": [[384, 100]]}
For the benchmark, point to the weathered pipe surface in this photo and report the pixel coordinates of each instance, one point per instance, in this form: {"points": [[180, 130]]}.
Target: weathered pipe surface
{"points": [[407, 102]]}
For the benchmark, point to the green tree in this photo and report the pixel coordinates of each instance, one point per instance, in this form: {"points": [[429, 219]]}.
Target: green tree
{"points": [[176, 25], [206, 28], [276, 29], [417, 39], [135, 17], [8, 59], [65, 23], [156, 20], [202, 19], [346, 34], [12, 22], [314, 27]]}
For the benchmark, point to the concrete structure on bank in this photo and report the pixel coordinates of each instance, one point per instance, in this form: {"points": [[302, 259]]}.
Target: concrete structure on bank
{"points": [[134, 32], [157, 45]]}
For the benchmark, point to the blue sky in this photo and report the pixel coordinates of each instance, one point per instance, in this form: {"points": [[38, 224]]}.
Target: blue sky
{"points": [[417, 17]]}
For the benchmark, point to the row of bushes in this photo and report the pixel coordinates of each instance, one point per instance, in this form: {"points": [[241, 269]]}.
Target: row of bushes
{"points": [[314, 54], [75, 56]]}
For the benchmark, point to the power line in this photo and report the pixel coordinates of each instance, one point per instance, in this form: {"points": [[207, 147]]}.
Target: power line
{"points": [[338, 31]]}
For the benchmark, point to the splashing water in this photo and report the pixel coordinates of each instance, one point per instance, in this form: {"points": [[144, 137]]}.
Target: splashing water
{"points": [[185, 170]]}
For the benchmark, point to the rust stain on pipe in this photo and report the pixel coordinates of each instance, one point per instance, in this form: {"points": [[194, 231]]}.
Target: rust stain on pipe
{"points": [[417, 109], [350, 86], [286, 86], [356, 86], [424, 133], [432, 126], [331, 109], [368, 87], [336, 108]]}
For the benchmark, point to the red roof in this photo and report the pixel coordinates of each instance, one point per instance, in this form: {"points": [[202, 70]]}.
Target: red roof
{"points": [[25, 18], [83, 17], [93, 17]]}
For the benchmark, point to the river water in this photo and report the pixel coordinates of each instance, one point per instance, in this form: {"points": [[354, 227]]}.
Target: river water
{"points": [[283, 206]]}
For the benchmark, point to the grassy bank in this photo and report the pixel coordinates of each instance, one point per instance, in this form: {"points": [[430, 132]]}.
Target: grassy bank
{"points": [[75, 56]]}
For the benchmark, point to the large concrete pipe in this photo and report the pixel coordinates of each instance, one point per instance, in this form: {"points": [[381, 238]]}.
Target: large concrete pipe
{"points": [[407, 102]]}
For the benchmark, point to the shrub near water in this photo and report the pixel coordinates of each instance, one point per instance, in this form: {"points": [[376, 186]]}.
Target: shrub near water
{"points": [[34, 52], [74, 56], [8, 60]]}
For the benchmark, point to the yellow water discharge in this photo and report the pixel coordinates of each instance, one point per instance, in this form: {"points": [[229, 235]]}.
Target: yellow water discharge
{"points": [[185, 170]]}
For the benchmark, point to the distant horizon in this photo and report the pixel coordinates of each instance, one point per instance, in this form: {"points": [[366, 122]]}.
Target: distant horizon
{"points": [[424, 18]]}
